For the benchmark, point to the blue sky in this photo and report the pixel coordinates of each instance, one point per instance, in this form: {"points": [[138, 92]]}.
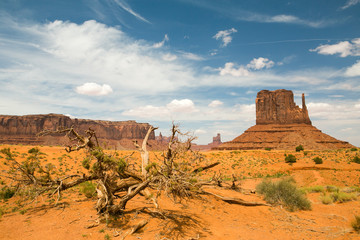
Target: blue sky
{"points": [[198, 63]]}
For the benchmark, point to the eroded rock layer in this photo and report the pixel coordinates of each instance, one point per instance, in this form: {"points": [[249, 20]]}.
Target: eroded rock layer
{"points": [[24, 129], [281, 124]]}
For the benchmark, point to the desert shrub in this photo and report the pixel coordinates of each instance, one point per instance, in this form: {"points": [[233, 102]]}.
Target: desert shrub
{"points": [[34, 150], [88, 189], [86, 163], [326, 199], [353, 149], [268, 149], [356, 159], [284, 192], [299, 148], [313, 189], [7, 152], [6, 193], [306, 153], [332, 188], [343, 197], [290, 158], [356, 224], [318, 160]]}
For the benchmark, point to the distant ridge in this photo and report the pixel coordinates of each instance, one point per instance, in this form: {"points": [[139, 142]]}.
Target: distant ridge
{"points": [[23, 129]]}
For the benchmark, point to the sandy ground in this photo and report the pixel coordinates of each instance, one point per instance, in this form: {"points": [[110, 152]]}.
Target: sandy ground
{"points": [[204, 218]]}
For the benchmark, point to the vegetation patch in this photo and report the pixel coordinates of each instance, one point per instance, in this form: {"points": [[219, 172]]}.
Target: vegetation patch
{"points": [[284, 192], [356, 224], [88, 189], [318, 160], [290, 159], [299, 148]]}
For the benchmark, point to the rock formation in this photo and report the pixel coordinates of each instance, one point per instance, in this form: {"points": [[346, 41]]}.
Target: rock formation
{"points": [[23, 129], [216, 140], [281, 124], [278, 107]]}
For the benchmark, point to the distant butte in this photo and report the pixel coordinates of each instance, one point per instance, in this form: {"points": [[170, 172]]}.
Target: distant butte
{"points": [[24, 130], [281, 124]]}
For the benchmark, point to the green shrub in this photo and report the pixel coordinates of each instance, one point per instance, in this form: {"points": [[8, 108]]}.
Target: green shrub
{"points": [[343, 197], [332, 188], [318, 160], [313, 189], [284, 192], [356, 159], [7, 152], [353, 149], [34, 150], [268, 149], [88, 189], [356, 224], [290, 158], [299, 148], [6, 193], [86, 163], [326, 199]]}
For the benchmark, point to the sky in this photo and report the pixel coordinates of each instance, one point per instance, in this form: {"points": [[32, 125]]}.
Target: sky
{"points": [[197, 63]]}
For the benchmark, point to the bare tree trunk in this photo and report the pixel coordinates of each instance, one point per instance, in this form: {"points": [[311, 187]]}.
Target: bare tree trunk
{"points": [[143, 151]]}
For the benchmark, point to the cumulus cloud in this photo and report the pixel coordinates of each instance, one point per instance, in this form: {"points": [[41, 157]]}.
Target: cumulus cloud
{"points": [[259, 63], [183, 106], [229, 69], [243, 71], [224, 36], [344, 48], [354, 70], [161, 44], [350, 3], [94, 89], [215, 103]]}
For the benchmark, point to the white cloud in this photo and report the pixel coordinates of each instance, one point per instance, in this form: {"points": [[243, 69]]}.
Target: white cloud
{"points": [[183, 106], [229, 69], [192, 56], [215, 103], [169, 57], [350, 3], [259, 63], [161, 44], [242, 71], [354, 70], [344, 48], [127, 8], [175, 107], [200, 131], [282, 18], [224, 36], [94, 89]]}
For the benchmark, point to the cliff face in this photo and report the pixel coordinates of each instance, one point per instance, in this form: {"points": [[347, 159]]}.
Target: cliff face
{"points": [[23, 129], [278, 107], [281, 124]]}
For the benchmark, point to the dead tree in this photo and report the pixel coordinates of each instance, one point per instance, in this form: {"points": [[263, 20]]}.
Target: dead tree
{"points": [[117, 184]]}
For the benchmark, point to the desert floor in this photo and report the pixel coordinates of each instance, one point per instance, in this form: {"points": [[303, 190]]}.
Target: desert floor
{"points": [[207, 217]]}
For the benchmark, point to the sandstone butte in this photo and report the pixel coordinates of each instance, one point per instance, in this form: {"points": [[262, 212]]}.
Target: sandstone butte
{"points": [[24, 130], [281, 124]]}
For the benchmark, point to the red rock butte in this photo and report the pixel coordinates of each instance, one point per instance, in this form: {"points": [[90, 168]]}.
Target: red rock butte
{"points": [[24, 130], [281, 124]]}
